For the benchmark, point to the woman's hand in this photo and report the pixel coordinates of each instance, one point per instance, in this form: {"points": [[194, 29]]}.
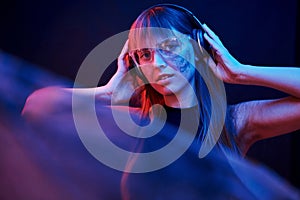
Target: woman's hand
{"points": [[228, 69], [121, 70], [122, 84]]}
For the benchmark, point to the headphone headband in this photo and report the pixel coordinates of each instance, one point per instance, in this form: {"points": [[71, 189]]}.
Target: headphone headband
{"points": [[177, 7]]}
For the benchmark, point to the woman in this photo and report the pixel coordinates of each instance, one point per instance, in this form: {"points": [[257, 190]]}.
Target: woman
{"points": [[247, 122], [169, 69], [253, 120]]}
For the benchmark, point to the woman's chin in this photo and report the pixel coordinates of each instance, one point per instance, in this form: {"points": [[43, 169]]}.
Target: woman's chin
{"points": [[164, 90]]}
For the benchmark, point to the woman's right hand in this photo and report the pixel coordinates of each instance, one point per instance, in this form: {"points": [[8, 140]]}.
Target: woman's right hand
{"points": [[123, 61], [121, 85]]}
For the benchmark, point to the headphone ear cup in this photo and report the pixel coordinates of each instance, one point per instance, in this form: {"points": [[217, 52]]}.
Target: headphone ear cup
{"points": [[131, 64], [198, 35], [198, 38], [194, 34], [136, 69], [201, 40]]}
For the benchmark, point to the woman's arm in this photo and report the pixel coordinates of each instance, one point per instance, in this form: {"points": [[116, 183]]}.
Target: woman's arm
{"points": [[261, 119], [257, 120], [285, 79], [228, 69], [53, 100]]}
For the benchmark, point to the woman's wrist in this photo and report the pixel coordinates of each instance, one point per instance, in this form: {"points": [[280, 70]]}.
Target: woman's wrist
{"points": [[245, 74], [103, 94]]}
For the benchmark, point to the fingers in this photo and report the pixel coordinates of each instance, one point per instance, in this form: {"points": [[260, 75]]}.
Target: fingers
{"points": [[125, 48], [123, 61], [212, 34], [212, 42], [124, 51]]}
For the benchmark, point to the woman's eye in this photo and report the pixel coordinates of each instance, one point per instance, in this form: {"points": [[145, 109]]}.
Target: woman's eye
{"points": [[145, 55], [171, 45]]}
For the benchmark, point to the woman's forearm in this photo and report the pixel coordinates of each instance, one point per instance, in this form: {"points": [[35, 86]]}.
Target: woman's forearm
{"points": [[54, 100], [285, 79], [101, 94], [229, 70]]}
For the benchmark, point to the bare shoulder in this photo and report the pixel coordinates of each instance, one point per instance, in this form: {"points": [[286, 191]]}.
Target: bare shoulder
{"points": [[262, 119]]}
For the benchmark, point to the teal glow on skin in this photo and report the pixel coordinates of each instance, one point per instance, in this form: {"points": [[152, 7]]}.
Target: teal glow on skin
{"points": [[182, 72]]}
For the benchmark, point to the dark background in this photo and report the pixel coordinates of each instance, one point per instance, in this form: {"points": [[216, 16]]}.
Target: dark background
{"points": [[57, 35]]}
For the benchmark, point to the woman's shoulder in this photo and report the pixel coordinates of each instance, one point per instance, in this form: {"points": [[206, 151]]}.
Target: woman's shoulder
{"points": [[237, 123]]}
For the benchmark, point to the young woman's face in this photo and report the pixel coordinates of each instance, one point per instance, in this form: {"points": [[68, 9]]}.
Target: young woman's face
{"points": [[169, 67]]}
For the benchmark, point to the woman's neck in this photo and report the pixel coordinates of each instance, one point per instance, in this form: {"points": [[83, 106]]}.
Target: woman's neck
{"points": [[173, 101], [185, 98]]}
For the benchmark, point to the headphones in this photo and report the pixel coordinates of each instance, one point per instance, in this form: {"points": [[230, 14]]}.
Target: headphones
{"points": [[197, 35]]}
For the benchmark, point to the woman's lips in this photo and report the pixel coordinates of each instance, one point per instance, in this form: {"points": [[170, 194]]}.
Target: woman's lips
{"points": [[164, 78]]}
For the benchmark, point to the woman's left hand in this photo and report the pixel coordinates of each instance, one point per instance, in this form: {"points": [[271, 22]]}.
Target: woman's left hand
{"points": [[228, 69]]}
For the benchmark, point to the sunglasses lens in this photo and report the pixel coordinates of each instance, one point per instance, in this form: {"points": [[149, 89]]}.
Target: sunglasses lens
{"points": [[168, 49], [143, 56]]}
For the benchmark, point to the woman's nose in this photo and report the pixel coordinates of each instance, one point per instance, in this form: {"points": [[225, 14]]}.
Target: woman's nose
{"points": [[158, 60]]}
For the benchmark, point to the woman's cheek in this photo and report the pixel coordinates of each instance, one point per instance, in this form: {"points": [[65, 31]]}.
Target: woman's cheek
{"points": [[148, 74]]}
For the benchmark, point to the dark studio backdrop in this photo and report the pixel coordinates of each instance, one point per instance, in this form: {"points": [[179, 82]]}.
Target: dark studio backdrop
{"points": [[58, 35]]}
